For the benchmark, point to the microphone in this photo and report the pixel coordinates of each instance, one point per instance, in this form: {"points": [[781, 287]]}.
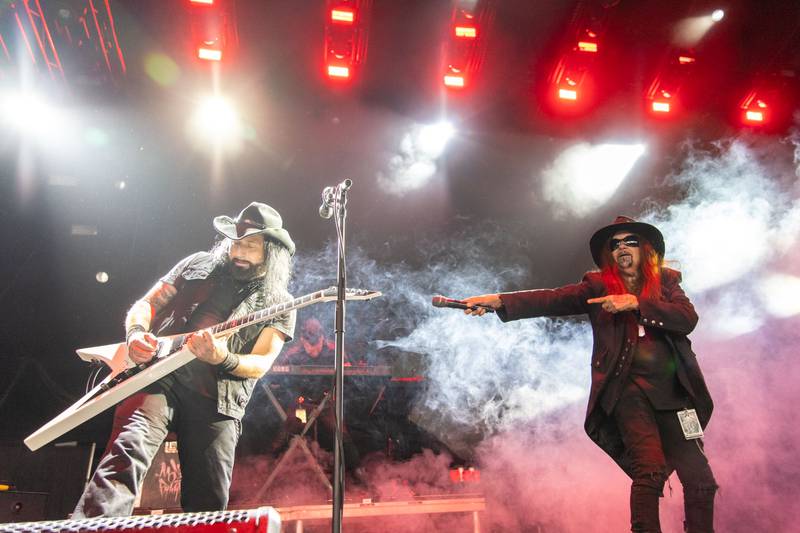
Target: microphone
{"points": [[441, 301], [326, 209]]}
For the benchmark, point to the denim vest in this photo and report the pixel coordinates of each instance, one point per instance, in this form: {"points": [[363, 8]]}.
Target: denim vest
{"points": [[194, 285]]}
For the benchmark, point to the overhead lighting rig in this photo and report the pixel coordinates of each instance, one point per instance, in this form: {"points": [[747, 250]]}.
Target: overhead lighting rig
{"points": [[572, 81], [346, 38], [465, 45], [213, 30], [662, 96]]}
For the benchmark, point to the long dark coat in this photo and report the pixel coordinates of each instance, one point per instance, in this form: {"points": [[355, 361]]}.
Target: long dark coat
{"points": [[615, 337]]}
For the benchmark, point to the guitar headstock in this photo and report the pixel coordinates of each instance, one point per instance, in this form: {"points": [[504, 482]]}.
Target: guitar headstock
{"points": [[330, 293]]}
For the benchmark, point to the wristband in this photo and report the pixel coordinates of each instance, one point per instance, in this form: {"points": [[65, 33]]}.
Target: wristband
{"points": [[134, 329], [230, 362]]}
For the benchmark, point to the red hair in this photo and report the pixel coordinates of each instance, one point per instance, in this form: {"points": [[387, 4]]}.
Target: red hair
{"points": [[649, 268]]}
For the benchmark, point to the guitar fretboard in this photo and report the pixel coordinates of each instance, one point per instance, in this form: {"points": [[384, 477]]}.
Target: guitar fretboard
{"points": [[269, 312]]}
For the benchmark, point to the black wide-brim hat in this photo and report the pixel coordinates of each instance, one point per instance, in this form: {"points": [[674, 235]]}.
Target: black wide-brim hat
{"points": [[600, 238], [255, 219]]}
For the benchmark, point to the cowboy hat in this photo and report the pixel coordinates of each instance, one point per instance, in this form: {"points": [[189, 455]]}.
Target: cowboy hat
{"points": [[255, 219], [623, 223]]}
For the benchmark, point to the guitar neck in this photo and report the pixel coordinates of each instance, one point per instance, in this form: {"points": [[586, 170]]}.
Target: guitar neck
{"points": [[266, 314]]}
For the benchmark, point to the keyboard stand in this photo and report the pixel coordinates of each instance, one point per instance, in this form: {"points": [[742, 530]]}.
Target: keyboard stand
{"points": [[298, 442]]}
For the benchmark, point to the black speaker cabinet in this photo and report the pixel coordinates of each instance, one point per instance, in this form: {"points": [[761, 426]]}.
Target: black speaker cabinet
{"points": [[60, 470], [22, 506]]}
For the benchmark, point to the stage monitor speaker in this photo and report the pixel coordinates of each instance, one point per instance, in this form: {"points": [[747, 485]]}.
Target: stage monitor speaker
{"points": [[60, 469], [22, 506], [261, 520]]}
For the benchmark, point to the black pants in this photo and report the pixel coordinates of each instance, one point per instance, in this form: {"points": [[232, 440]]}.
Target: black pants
{"points": [[206, 447], [655, 444]]}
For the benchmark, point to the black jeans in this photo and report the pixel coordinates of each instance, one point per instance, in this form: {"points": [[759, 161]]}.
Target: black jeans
{"points": [[206, 447], [655, 444]]}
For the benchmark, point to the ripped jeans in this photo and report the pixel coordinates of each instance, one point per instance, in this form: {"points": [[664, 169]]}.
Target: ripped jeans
{"points": [[656, 445]]}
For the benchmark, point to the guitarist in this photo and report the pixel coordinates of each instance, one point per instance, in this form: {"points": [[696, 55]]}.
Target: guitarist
{"points": [[203, 401]]}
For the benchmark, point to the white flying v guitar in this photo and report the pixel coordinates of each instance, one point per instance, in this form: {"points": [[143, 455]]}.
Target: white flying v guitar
{"points": [[127, 377]]}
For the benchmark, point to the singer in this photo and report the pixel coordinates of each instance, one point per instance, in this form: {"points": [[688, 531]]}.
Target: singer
{"points": [[647, 388]]}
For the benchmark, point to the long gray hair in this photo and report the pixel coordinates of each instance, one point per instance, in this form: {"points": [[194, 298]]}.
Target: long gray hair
{"points": [[274, 285]]}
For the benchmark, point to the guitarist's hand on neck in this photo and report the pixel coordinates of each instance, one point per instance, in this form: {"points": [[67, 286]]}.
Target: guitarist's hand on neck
{"points": [[206, 348]]}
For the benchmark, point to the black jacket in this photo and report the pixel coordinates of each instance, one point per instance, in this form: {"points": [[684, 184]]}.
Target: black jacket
{"points": [[615, 337]]}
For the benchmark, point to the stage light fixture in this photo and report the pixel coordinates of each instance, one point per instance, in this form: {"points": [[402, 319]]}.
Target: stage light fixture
{"points": [[717, 15], [340, 72], [754, 116], [686, 59], [202, 2], [466, 32], [343, 15], [661, 107], [209, 54], [568, 94], [754, 109], [454, 80]]}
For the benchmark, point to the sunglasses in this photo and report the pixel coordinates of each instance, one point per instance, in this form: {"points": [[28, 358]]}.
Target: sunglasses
{"points": [[631, 241]]}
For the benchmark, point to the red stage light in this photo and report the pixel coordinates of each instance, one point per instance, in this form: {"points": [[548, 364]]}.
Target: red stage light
{"points": [[568, 94], [754, 109], [205, 2], [661, 107], [754, 116], [343, 15], [466, 32], [336, 71], [586, 46], [209, 54], [454, 80], [686, 60]]}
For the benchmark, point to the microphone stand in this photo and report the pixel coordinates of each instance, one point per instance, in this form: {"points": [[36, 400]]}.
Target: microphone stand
{"points": [[339, 216]]}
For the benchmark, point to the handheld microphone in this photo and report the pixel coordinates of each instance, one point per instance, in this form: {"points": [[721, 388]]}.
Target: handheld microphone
{"points": [[441, 301]]}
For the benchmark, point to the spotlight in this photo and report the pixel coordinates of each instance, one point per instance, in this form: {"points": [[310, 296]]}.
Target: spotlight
{"points": [[568, 94], [343, 15], [466, 32], [209, 54], [455, 81], [754, 110], [335, 71], [717, 15], [433, 138], [216, 121], [29, 113], [101, 277]]}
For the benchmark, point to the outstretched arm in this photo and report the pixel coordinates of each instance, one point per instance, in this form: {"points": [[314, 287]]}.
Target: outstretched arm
{"points": [[563, 301]]}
